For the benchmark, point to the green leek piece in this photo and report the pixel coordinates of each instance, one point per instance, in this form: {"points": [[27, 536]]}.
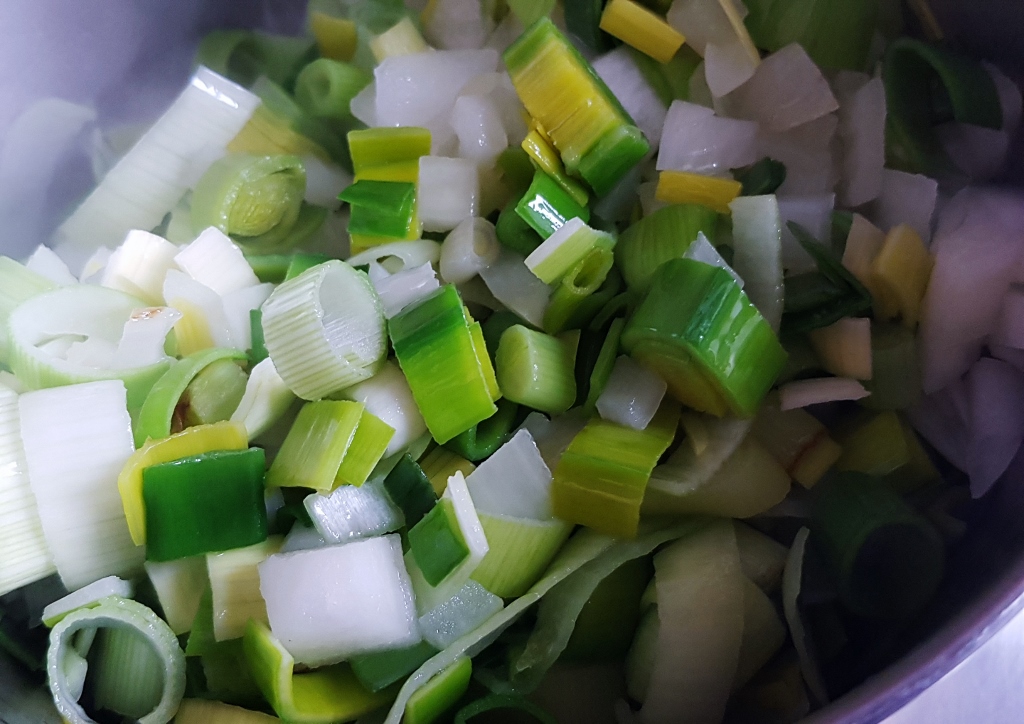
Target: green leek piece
{"points": [[211, 711], [155, 418], [835, 33], [671, 80], [520, 551], [17, 284], [66, 667], [761, 178], [496, 325], [481, 440], [546, 159], [388, 154], [410, 489], [270, 267], [325, 88], [126, 677], [575, 300], [437, 544], [439, 694], [516, 169], [601, 478], [245, 55], [592, 132], [583, 19], [214, 393], [201, 638], [497, 702], [514, 232], [381, 208], [566, 248], [316, 445], [529, 11], [536, 369], [314, 135], [368, 446], [895, 382], [300, 262], [546, 206], [256, 200], [258, 349], [605, 626], [203, 504], [327, 695], [380, 670], [436, 349], [604, 364], [925, 86], [888, 559], [656, 238], [699, 331]]}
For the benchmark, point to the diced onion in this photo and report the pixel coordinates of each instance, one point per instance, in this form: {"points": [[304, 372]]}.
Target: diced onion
{"points": [[804, 393]]}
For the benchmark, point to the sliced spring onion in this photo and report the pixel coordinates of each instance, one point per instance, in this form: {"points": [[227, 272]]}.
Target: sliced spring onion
{"points": [[350, 512], [536, 369], [583, 291], [244, 55], [77, 439], [326, 87], [86, 597], [129, 617], [381, 211], [656, 238], [316, 445], [138, 267], [152, 177], [179, 585], [324, 330], [235, 588], [24, 556], [540, 151], [546, 206], [481, 440], [436, 543], [514, 232], [757, 244], [93, 320], [330, 603]]}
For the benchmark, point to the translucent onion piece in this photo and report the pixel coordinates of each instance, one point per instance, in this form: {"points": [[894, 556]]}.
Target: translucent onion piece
{"points": [[237, 308], [757, 253], [977, 151], [401, 289], [622, 76], [153, 176], [328, 604], [862, 132], [324, 330], [77, 439], [126, 615], [727, 66], [140, 265], [804, 393], [350, 512], [407, 254], [387, 396], [86, 597], [204, 323], [95, 265], [364, 105], [905, 198], [814, 213], [214, 260], [701, 250], [471, 247], [302, 538], [515, 286], [459, 615], [448, 192], [46, 263], [324, 182], [456, 24], [632, 395], [179, 585], [807, 153], [695, 139], [514, 481], [478, 125]]}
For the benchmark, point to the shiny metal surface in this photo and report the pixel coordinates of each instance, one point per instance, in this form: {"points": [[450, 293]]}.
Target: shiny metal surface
{"points": [[129, 57]]}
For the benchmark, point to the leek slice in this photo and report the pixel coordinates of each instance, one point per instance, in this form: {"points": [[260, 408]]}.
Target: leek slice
{"points": [[265, 400], [350, 512], [179, 586], [519, 551], [93, 319], [86, 597], [656, 238], [139, 266], [429, 702], [757, 243], [235, 588], [17, 284], [536, 369], [324, 329], [122, 615]]}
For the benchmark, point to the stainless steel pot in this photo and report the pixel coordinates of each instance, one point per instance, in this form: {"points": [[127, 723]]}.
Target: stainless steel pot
{"points": [[127, 58]]}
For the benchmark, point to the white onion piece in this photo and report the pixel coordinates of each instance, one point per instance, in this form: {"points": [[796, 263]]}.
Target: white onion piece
{"points": [[387, 395], [695, 139], [862, 114], [402, 289], [328, 604], [301, 538], [510, 107], [814, 213], [513, 482], [711, 21], [214, 260], [807, 154], [977, 250], [350, 512], [632, 395], [757, 245], [941, 418], [266, 399], [804, 393], [363, 106], [553, 436], [145, 333], [905, 198], [46, 263], [727, 66], [478, 125], [788, 90], [701, 250], [94, 265], [191, 297], [700, 93], [140, 265], [979, 152], [87, 595], [622, 76], [238, 305], [515, 286], [470, 247], [459, 615], [324, 181], [456, 24], [409, 253], [448, 192], [508, 30], [1009, 98], [997, 421]]}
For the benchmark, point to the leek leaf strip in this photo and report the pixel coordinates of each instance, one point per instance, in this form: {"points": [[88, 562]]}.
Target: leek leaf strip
{"points": [[761, 178]]}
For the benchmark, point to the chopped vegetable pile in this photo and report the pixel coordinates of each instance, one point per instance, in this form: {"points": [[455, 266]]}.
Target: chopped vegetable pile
{"points": [[462, 359]]}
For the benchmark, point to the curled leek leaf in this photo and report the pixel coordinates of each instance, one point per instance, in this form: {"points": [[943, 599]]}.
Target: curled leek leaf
{"points": [[257, 200], [65, 666]]}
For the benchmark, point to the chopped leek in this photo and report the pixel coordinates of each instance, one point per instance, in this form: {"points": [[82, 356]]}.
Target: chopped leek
{"points": [[235, 589], [86, 597], [536, 369], [546, 206], [684, 187], [520, 550], [539, 149], [214, 393], [244, 55], [440, 693], [440, 464], [179, 586], [632, 395], [206, 711], [349, 512], [582, 291], [409, 487], [139, 265], [565, 248], [437, 544], [326, 87], [335, 37], [381, 669], [635, 25], [383, 210], [316, 445], [656, 238]]}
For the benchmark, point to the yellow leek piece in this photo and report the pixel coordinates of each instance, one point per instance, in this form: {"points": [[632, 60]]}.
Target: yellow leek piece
{"points": [[267, 134], [190, 441], [402, 38], [440, 464], [729, 7], [900, 273], [335, 37], [682, 187], [538, 148], [816, 461], [797, 440], [844, 348], [191, 332], [635, 25], [876, 447]]}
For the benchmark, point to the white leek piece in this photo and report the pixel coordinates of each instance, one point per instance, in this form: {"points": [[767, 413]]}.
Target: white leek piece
{"points": [[695, 139], [46, 263], [153, 176], [429, 597], [514, 481], [179, 586], [265, 400], [459, 615], [302, 538], [204, 323], [623, 77], [905, 198], [399, 255], [17, 284], [122, 615], [24, 556], [351, 512], [235, 584], [324, 329], [77, 439], [814, 213], [470, 248], [447, 193], [387, 396], [804, 393], [237, 308], [140, 265], [862, 111], [86, 598], [214, 260], [402, 289], [144, 336], [324, 181], [757, 253], [93, 270], [328, 604], [561, 251], [478, 125], [632, 395], [517, 287], [702, 250]]}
